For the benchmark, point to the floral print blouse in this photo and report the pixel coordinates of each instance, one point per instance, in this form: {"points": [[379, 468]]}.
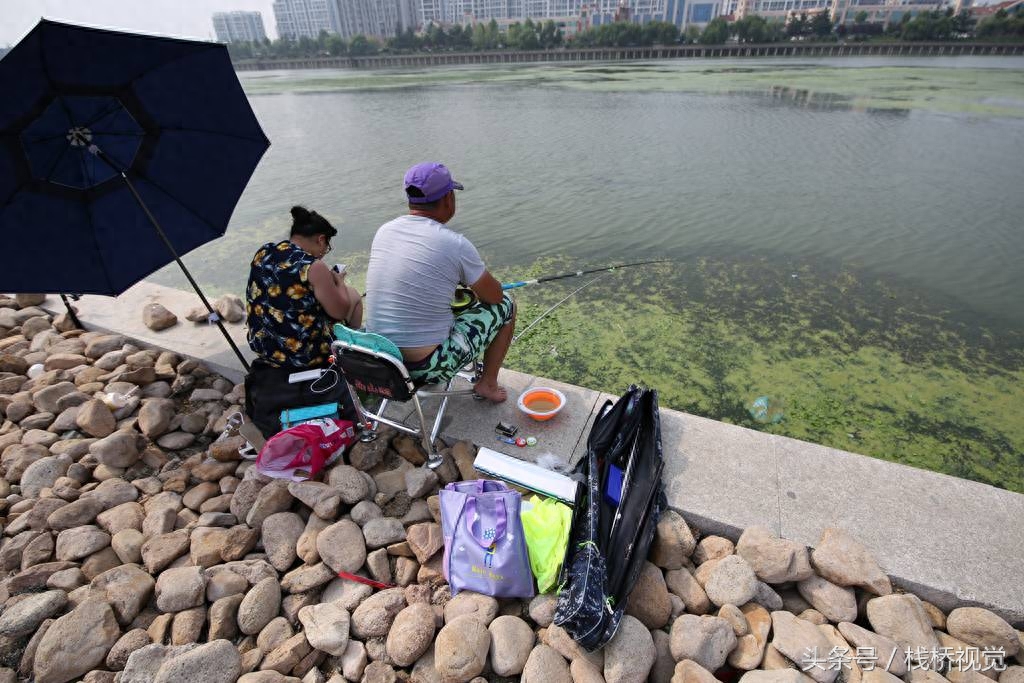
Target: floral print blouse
{"points": [[287, 325]]}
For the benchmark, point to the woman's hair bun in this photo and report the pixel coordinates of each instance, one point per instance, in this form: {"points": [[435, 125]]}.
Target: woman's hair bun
{"points": [[300, 214]]}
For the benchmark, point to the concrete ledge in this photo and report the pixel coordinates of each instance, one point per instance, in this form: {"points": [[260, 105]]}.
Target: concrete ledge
{"points": [[950, 541]]}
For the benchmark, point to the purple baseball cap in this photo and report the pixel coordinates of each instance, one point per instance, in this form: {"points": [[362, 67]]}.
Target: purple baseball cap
{"points": [[432, 179]]}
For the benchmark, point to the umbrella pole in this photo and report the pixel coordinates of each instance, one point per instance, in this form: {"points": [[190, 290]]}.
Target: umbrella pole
{"points": [[71, 311], [181, 264]]}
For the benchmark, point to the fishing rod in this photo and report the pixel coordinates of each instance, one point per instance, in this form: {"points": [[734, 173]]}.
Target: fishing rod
{"points": [[464, 296], [577, 273], [552, 308]]}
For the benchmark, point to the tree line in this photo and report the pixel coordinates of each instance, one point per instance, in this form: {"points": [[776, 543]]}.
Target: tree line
{"points": [[936, 25]]}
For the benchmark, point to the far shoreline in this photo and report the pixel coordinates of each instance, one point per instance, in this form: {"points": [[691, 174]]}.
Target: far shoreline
{"points": [[602, 54]]}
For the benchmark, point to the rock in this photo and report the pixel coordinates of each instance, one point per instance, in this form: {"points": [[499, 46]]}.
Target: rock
{"points": [[799, 640], [512, 640], [101, 345], [774, 560], [127, 543], [835, 602], [350, 484], [215, 662], [267, 676], [649, 601], [42, 474], [682, 583], [542, 610], [305, 547], [221, 584], [342, 546], [688, 671], [353, 662], [425, 540], [260, 605], [155, 417], [482, 607], [95, 419], [272, 498], [240, 541], [80, 542], [306, 578], [125, 646], [731, 582], [411, 634], [321, 498], [76, 643], [460, 652], [244, 497], [365, 456], [224, 616], [187, 625], [156, 317], [983, 629], [120, 449], [545, 664], [223, 450], [230, 308], [673, 541], [24, 617], [706, 640], [121, 517], [77, 513], [884, 649], [287, 655], [630, 654], [844, 561], [420, 482], [274, 633], [712, 548], [348, 594], [734, 616], [127, 589], [180, 589], [45, 400], [902, 618], [750, 648], [374, 617], [175, 441], [777, 676], [327, 627], [158, 552], [281, 532]]}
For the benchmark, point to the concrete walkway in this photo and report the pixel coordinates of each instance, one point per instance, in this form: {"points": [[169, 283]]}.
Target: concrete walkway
{"points": [[950, 541]]}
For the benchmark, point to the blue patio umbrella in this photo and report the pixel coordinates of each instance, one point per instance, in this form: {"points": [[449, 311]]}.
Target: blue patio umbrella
{"points": [[118, 153]]}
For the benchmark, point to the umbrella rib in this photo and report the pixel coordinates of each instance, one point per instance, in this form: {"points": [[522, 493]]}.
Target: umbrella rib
{"points": [[180, 203], [161, 65], [222, 134]]}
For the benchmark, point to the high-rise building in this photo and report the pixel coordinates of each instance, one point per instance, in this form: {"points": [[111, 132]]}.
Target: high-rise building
{"points": [[589, 12], [303, 18], [379, 18], [236, 27]]}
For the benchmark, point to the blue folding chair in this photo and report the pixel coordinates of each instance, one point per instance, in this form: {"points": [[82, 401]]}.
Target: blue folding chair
{"points": [[371, 363]]}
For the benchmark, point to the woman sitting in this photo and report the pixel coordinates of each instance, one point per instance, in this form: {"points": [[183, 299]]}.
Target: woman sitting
{"points": [[292, 300]]}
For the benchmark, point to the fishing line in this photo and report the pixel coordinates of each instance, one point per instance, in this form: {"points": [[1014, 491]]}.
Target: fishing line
{"points": [[560, 302]]}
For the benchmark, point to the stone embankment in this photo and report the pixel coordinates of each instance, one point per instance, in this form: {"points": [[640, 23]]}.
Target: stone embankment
{"points": [[138, 546]]}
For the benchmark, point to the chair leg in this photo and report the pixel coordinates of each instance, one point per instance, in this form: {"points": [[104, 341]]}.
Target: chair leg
{"points": [[434, 458]]}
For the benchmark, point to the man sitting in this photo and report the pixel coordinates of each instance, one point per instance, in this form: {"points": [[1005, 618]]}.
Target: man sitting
{"points": [[415, 265]]}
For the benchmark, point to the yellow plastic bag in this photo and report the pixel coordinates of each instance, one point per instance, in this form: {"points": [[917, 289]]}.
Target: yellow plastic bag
{"points": [[546, 524]]}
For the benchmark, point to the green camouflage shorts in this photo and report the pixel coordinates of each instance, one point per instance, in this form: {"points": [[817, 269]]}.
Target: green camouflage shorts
{"points": [[472, 332]]}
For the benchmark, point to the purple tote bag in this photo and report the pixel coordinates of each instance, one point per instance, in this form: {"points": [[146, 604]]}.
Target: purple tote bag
{"points": [[484, 546]]}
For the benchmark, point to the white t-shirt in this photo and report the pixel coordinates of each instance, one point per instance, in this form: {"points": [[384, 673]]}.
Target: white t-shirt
{"points": [[415, 265]]}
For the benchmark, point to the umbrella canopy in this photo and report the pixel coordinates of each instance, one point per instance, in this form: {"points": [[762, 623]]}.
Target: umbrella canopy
{"points": [[105, 136]]}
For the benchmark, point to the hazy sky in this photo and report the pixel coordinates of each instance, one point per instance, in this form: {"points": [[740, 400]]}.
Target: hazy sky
{"points": [[182, 18]]}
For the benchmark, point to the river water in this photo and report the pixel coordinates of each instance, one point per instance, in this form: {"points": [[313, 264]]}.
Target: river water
{"points": [[858, 197]]}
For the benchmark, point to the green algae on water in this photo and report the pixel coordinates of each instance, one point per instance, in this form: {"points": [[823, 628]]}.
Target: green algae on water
{"points": [[860, 364]]}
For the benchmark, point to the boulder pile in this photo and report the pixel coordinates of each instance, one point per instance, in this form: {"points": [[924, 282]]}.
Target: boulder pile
{"points": [[137, 545]]}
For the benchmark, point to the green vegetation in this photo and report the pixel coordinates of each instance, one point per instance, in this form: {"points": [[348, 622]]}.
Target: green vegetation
{"points": [[858, 363], [938, 25]]}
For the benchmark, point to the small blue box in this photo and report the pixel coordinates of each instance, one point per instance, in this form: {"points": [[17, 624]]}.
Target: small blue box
{"points": [[613, 488]]}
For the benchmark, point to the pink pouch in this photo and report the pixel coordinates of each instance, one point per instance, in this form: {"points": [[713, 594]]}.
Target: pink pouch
{"points": [[300, 452]]}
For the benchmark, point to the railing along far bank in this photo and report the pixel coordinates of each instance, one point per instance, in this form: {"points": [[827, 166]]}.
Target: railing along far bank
{"points": [[798, 49]]}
